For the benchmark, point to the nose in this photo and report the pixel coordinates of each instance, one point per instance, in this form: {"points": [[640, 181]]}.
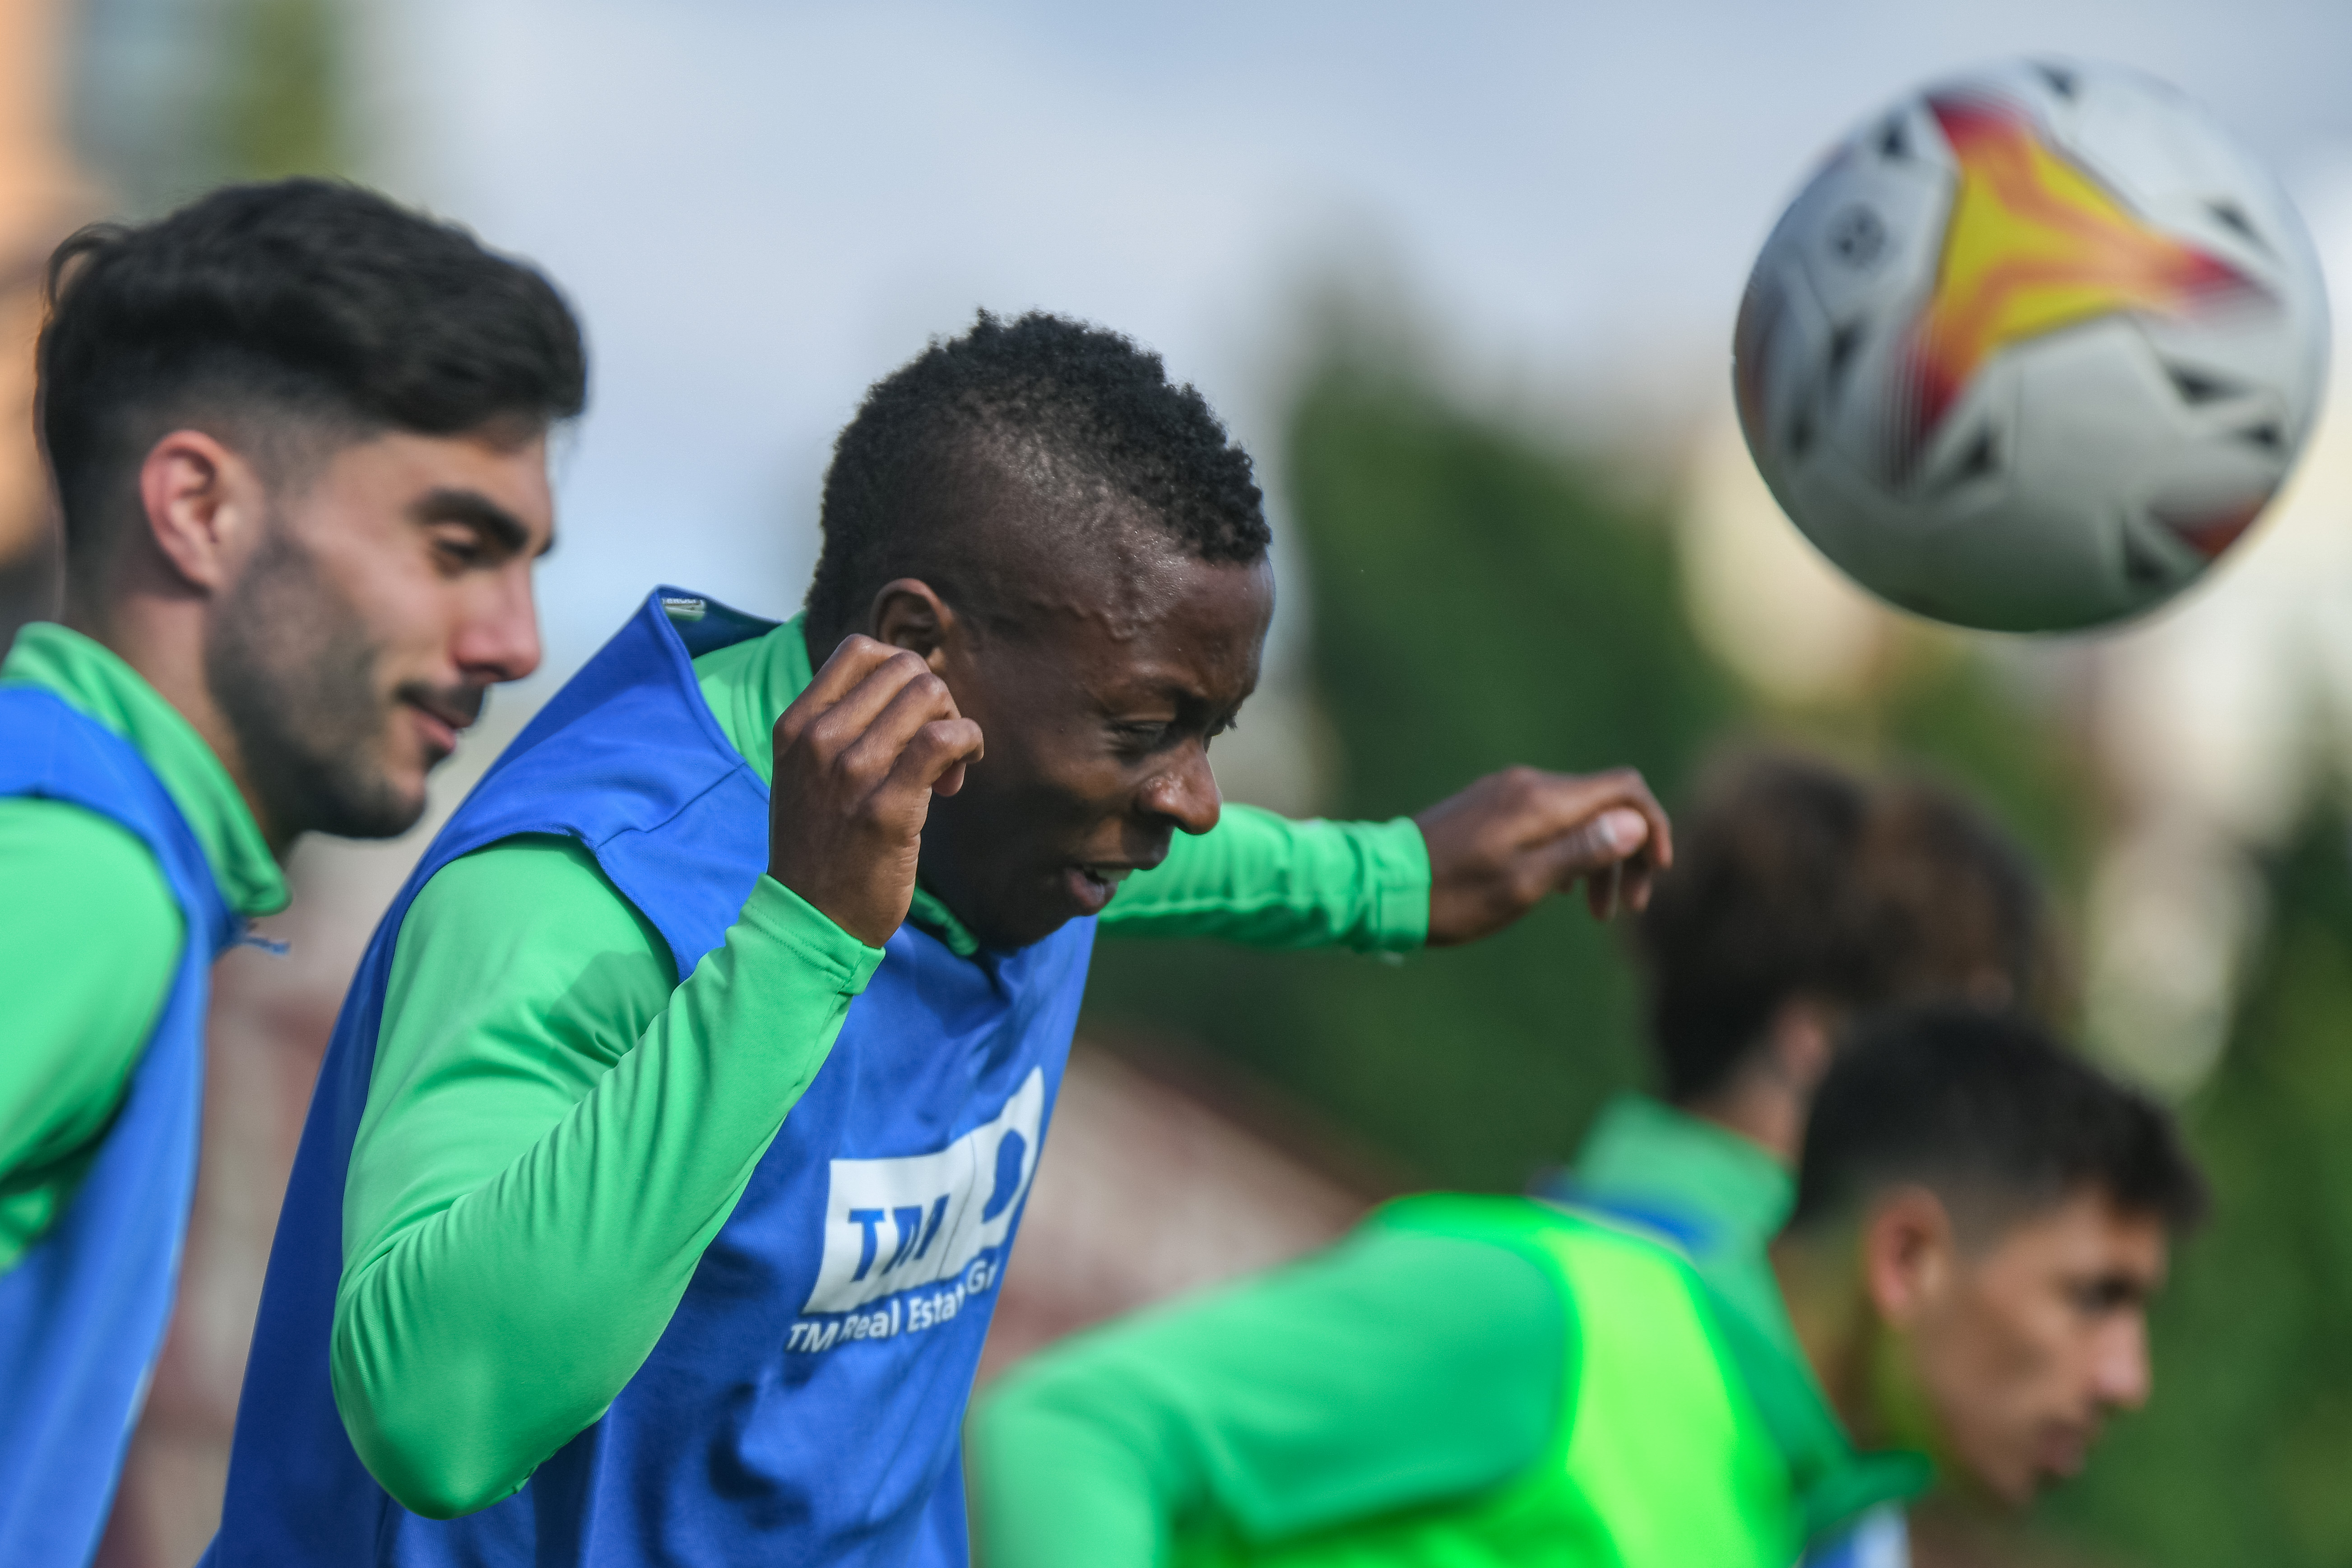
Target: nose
{"points": [[498, 639], [2125, 1380], [1186, 793]]}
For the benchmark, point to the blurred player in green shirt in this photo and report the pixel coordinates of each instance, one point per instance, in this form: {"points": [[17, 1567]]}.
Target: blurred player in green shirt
{"points": [[1806, 895], [1981, 1220], [1802, 894]]}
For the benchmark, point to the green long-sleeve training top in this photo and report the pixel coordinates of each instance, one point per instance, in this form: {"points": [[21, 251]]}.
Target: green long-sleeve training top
{"points": [[90, 932], [556, 1127], [1398, 1370]]}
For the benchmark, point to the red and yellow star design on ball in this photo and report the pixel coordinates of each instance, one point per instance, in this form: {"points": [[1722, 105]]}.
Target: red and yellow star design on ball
{"points": [[2034, 244]]}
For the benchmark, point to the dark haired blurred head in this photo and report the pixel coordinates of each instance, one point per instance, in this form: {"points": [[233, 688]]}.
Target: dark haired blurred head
{"points": [[298, 437], [1982, 1219], [1802, 895]]}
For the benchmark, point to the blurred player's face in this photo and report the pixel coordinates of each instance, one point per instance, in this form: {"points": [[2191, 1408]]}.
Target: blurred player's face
{"points": [[1097, 712], [383, 598], [2012, 1355]]}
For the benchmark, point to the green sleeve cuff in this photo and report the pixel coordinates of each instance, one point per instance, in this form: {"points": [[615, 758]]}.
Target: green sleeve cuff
{"points": [[809, 934], [1398, 857]]}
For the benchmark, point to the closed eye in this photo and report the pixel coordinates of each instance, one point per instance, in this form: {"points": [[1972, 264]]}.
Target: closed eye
{"points": [[1143, 737], [461, 547], [468, 530], [2115, 1293]]}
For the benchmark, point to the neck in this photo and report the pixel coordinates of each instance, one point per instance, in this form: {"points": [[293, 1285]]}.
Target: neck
{"points": [[1760, 1106], [159, 631], [1819, 1286], [1770, 1090]]}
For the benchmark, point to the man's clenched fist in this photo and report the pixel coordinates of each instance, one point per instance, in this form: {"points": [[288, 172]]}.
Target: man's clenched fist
{"points": [[1513, 839], [858, 756]]}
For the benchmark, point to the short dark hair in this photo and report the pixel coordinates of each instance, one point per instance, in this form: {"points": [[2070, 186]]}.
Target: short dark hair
{"points": [[1074, 412], [1986, 1111], [1793, 876], [296, 308]]}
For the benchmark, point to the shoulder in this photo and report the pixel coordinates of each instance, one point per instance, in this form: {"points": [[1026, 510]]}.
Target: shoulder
{"points": [[75, 874], [1444, 1275], [524, 938], [89, 935], [531, 886]]}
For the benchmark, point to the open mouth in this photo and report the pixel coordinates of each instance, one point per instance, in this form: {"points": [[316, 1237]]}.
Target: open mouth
{"points": [[1092, 885]]}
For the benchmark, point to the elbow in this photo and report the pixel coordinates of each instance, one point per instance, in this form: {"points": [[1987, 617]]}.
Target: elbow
{"points": [[428, 1468], [434, 1473], [438, 1497], [423, 1440]]}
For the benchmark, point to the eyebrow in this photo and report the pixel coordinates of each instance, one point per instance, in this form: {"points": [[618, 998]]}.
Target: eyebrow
{"points": [[478, 511]]}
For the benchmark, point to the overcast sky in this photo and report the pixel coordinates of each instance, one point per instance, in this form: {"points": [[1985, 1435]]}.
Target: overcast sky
{"points": [[762, 207]]}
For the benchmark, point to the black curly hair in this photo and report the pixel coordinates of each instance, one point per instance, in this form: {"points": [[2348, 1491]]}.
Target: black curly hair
{"points": [[290, 317], [1086, 423]]}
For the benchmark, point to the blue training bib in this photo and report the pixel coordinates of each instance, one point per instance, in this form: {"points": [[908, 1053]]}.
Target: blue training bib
{"points": [[82, 1312], [805, 1401]]}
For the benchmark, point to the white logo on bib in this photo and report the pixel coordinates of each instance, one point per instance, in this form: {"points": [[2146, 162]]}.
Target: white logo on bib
{"points": [[897, 1224]]}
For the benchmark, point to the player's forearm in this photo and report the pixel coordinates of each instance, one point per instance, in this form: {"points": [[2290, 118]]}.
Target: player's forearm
{"points": [[1266, 881], [472, 1343]]}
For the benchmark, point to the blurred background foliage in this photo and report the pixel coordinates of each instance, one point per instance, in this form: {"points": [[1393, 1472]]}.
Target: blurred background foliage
{"points": [[2245, 1454], [173, 96], [1480, 598]]}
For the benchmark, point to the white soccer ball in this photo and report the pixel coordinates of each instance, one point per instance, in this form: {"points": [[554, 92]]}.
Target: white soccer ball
{"points": [[2032, 349]]}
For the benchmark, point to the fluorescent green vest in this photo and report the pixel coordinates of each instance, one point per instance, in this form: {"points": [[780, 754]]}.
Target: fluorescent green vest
{"points": [[1660, 1459]]}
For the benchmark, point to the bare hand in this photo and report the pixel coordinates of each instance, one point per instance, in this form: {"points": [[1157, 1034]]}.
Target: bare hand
{"points": [[1514, 839], [858, 756]]}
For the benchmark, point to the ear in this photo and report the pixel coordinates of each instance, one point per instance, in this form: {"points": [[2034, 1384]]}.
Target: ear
{"points": [[908, 614], [1910, 1256], [203, 505], [1801, 1040]]}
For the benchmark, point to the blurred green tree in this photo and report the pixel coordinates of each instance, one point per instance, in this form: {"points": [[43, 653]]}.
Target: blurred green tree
{"points": [[170, 98], [280, 108]]}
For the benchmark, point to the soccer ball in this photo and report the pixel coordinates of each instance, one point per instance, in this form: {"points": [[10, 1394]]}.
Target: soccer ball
{"points": [[2032, 349]]}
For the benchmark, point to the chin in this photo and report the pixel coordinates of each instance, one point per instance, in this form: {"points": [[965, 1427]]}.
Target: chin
{"points": [[2014, 1492], [1007, 926], [1029, 930], [382, 807]]}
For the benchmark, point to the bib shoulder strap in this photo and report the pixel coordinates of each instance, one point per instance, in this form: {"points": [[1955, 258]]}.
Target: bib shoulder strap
{"points": [[51, 750]]}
